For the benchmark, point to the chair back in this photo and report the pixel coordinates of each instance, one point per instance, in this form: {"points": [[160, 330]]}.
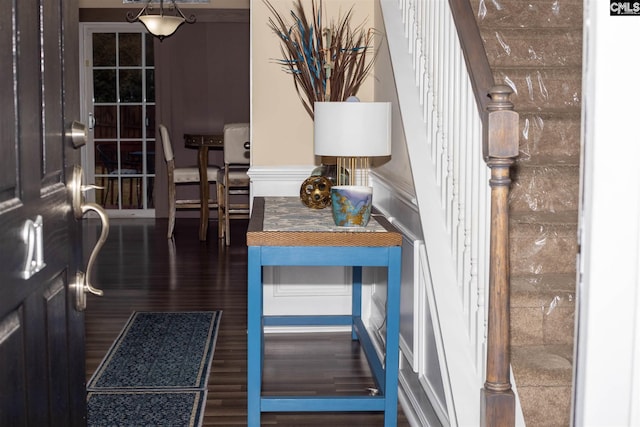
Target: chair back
{"points": [[167, 148], [108, 157], [236, 144]]}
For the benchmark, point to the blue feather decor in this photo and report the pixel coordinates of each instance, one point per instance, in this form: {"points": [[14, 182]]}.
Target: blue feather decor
{"points": [[328, 62]]}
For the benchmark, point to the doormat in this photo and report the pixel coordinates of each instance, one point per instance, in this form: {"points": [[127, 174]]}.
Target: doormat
{"points": [[160, 351], [145, 408]]}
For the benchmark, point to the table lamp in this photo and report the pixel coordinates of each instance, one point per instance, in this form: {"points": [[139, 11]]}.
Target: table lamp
{"points": [[353, 132]]}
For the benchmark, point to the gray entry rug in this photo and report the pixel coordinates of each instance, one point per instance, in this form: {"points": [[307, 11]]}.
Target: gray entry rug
{"points": [[145, 408], [160, 351], [156, 372]]}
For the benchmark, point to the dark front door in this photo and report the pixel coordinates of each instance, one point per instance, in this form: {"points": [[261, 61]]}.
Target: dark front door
{"points": [[41, 331]]}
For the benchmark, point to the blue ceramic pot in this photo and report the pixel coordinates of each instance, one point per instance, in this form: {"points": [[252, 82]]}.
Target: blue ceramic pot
{"points": [[351, 205]]}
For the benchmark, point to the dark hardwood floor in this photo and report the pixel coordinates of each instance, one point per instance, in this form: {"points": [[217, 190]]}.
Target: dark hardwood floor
{"points": [[140, 270]]}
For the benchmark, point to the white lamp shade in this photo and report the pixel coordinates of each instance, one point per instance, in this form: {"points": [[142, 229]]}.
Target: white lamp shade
{"points": [[161, 25], [352, 129]]}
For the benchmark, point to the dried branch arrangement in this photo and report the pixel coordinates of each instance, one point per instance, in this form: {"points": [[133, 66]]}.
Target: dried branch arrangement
{"points": [[327, 62]]}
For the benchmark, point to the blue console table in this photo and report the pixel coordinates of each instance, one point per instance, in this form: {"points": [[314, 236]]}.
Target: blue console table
{"points": [[283, 232]]}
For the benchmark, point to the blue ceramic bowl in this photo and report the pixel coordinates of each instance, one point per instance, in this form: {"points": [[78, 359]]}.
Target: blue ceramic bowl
{"points": [[351, 205]]}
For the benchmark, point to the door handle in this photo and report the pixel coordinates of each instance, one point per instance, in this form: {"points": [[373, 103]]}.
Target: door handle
{"points": [[80, 207]]}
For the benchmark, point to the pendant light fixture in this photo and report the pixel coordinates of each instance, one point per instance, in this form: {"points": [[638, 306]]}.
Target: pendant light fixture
{"points": [[161, 24]]}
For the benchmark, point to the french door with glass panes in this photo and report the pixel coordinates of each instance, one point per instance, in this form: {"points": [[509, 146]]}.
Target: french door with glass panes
{"points": [[118, 94]]}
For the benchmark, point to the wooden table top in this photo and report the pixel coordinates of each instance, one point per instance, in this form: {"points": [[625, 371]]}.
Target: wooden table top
{"points": [[286, 221]]}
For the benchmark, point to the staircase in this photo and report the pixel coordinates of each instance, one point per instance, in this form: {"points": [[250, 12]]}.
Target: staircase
{"points": [[536, 48]]}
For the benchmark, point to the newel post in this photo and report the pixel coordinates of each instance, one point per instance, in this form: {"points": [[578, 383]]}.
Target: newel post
{"points": [[500, 151]]}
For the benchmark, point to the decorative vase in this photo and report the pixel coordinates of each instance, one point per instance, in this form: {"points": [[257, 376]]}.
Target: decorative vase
{"points": [[315, 192], [351, 205]]}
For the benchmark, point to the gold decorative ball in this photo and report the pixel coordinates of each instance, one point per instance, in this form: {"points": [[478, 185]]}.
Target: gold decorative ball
{"points": [[315, 192]]}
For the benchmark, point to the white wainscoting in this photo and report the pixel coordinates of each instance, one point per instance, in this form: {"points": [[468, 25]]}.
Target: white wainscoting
{"points": [[299, 290], [425, 389]]}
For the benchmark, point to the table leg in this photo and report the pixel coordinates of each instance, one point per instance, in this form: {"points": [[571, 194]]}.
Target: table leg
{"points": [[255, 351], [392, 357], [203, 163], [356, 297]]}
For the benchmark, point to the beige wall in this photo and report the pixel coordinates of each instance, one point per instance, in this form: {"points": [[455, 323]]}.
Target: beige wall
{"points": [[282, 130]]}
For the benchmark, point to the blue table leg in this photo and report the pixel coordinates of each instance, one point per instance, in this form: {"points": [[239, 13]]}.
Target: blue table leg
{"points": [[356, 297], [254, 337], [392, 339]]}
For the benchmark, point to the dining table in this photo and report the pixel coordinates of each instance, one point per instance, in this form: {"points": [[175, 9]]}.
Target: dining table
{"points": [[203, 143]]}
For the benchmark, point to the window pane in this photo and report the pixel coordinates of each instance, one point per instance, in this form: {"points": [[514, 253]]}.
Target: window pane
{"points": [[150, 195], [151, 121], [130, 50], [104, 49], [130, 85], [131, 121], [104, 86], [106, 125], [131, 157], [151, 86], [148, 39], [106, 155], [151, 157]]}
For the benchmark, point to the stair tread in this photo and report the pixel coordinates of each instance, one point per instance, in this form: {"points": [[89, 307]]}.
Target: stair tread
{"points": [[542, 365], [564, 282], [551, 68], [569, 113], [538, 13], [567, 161], [540, 290], [541, 88], [549, 135], [548, 113], [549, 161], [535, 31], [569, 219], [533, 47]]}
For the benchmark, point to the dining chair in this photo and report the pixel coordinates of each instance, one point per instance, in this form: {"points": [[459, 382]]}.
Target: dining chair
{"points": [[182, 175], [233, 179]]}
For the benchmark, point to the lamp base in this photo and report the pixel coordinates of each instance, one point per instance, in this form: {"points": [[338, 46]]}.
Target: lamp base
{"points": [[330, 171], [351, 205]]}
